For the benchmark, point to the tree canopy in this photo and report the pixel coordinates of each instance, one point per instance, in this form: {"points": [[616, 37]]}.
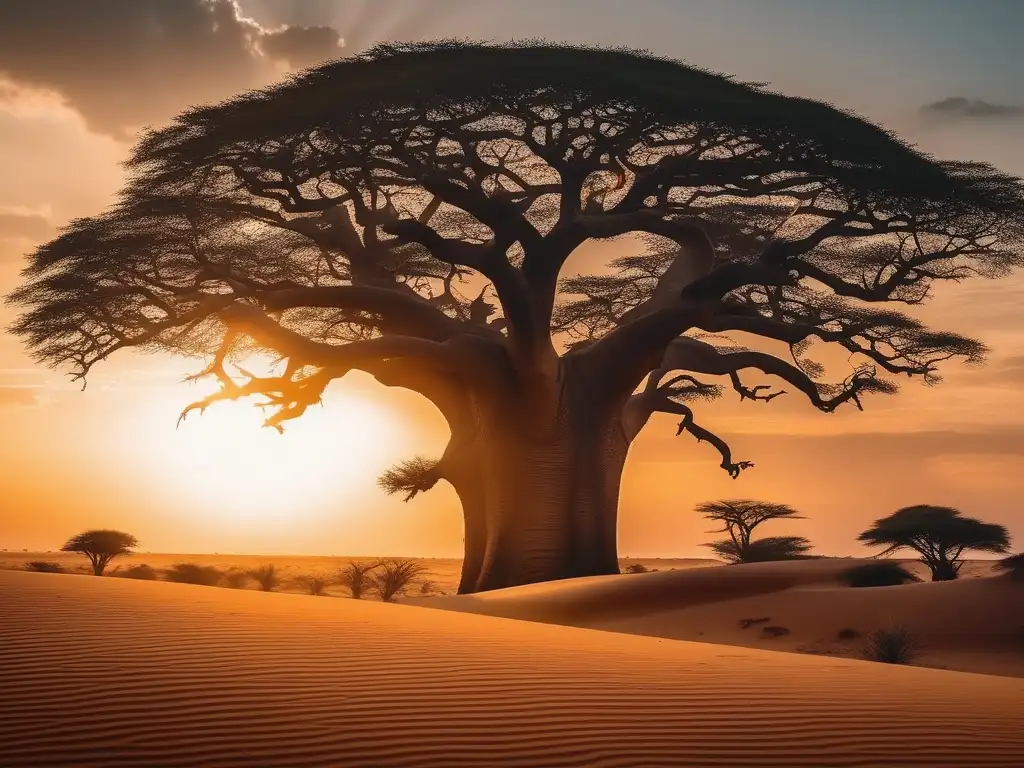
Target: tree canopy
{"points": [[940, 535], [409, 212], [101, 546]]}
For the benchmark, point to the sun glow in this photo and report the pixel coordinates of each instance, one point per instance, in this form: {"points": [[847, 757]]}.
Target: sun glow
{"points": [[224, 462]]}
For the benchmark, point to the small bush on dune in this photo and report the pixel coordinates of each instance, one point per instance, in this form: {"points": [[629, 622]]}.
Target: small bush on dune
{"points": [[1013, 565], [236, 579], [891, 645], [768, 549], [427, 587], [880, 573], [142, 572], [314, 583], [267, 577], [193, 573], [40, 566], [636, 568], [392, 577], [357, 578]]}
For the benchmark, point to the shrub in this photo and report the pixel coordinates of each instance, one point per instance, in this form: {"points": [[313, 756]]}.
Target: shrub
{"points": [[236, 579], [636, 568], [1013, 565], [848, 634], [774, 631], [427, 587], [41, 566], [267, 577], [314, 583], [357, 578], [193, 573], [879, 573], [745, 623], [891, 645], [763, 550], [392, 577], [142, 572]]}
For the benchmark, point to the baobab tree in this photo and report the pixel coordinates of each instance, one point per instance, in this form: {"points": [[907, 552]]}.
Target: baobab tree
{"points": [[409, 213]]}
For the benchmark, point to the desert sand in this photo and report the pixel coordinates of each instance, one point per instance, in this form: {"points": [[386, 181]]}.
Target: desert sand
{"points": [[972, 625], [115, 672]]}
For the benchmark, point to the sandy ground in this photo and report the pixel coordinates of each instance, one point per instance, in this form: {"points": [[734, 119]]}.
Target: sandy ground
{"points": [[973, 624], [115, 672], [442, 573]]}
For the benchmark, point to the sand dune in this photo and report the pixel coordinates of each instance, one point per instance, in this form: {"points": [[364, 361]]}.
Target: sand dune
{"points": [[974, 625], [111, 672]]}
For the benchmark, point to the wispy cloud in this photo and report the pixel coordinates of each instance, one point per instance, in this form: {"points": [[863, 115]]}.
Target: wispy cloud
{"points": [[961, 106], [14, 396]]}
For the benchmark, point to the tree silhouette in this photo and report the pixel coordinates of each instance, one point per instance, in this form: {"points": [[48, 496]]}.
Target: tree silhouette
{"points": [[409, 213], [739, 518], [940, 535], [101, 546]]}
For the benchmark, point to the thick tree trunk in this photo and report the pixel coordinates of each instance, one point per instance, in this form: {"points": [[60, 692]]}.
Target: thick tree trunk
{"points": [[540, 489]]}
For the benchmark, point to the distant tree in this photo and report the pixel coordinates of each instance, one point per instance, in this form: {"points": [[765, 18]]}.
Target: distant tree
{"points": [[193, 573], [267, 576], [357, 578], [101, 546], [940, 535], [409, 213], [739, 518], [762, 550], [1013, 565], [391, 578]]}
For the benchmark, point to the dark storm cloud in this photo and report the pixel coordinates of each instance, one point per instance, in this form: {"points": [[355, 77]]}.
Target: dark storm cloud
{"points": [[124, 64], [958, 106]]}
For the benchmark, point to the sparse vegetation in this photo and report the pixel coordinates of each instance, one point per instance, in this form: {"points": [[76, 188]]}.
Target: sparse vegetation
{"points": [[41, 566], [764, 550], [636, 568], [142, 572], [427, 587], [101, 546], [745, 623], [774, 631], [940, 535], [848, 634], [879, 573], [193, 573], [266, 576], [356, 578], [392, 577], [314, 583], [1013, 565], [235, 579], [891, 645]]}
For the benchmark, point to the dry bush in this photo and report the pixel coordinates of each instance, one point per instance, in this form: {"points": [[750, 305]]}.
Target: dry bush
{"points": [[636, 568], [236, 579], [141, 572], [41, 566], [880, 573], [774, 631], [357, 578], [314, 583], [891, 645], [193, 573], [266, 576], [392, 577], [427, 587], [744, 623]]}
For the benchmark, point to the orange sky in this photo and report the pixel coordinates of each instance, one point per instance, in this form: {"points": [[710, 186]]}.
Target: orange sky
{"points": [[111, 456]]}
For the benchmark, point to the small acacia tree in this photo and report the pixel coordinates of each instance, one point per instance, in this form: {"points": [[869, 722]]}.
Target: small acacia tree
{"points": [[101, 546], [940, 535], [739, 518], [409, 212]]}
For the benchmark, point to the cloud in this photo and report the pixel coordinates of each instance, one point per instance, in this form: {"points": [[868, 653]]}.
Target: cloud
{"points": [[12, 396], [124, 64], [24, 224], [960, 106]]}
